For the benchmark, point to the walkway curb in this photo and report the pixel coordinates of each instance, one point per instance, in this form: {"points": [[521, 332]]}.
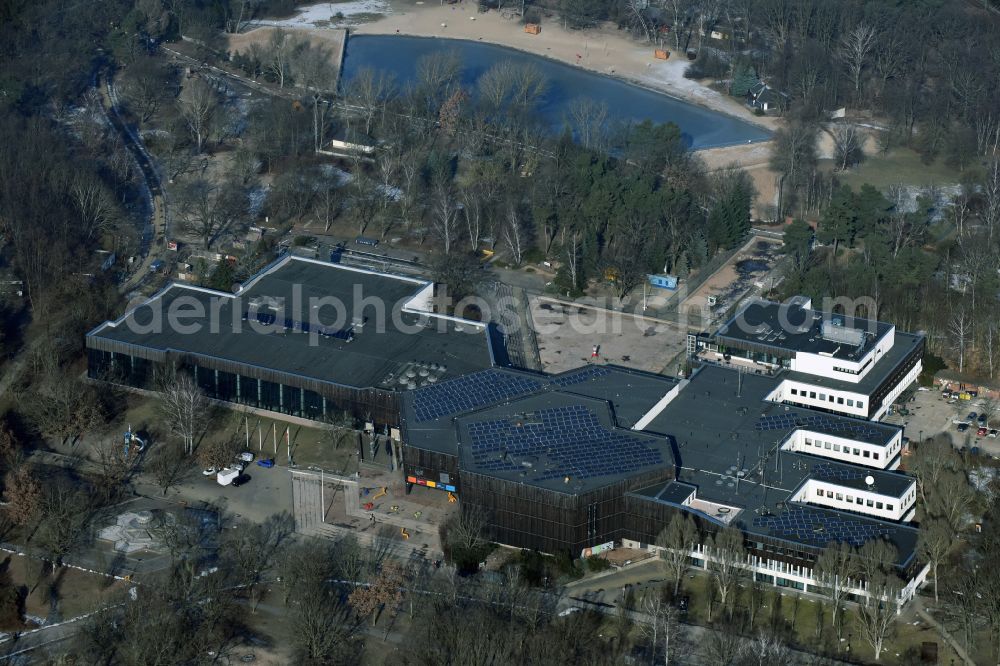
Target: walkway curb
{"points": [[946, 635]]}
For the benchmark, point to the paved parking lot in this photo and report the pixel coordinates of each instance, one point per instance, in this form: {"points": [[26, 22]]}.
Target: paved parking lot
{"points": [[930, 414]]}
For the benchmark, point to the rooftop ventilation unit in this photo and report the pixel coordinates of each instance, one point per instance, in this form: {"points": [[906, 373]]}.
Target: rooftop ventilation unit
{"points": [[834, 331]]}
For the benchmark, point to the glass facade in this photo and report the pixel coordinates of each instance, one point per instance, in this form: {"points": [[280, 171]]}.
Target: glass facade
{"points": [[241, 389], [119, 368]]}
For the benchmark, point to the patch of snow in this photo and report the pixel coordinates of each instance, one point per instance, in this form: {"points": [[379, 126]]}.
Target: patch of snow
{"points": [[339, 175], [943, 195], [257, 196], [390, 192], [153, 133], [332, 14], [982, 479]]}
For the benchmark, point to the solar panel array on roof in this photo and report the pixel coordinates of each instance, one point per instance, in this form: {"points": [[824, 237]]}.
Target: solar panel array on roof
{"points": [[558, 442], [820, 528], [469, 392], [593, 372], [838, 473], [796, 420]]}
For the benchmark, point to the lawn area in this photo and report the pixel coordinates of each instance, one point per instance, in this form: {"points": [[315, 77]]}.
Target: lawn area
{"points": [[899, 165], [77, 592], [805, 622], [333, 450]]}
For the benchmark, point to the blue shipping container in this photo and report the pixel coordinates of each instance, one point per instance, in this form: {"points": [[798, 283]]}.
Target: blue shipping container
{"points": [[663, 281]]}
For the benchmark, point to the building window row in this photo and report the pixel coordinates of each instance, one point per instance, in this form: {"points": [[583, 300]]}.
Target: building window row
{"points": [[848, 371], [851, 499], [837, 448], [823, 397]]}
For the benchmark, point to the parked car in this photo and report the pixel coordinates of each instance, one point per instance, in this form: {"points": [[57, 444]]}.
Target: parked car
{"points": [[209, 471], [962, 427], [981, 432], [240, 480], [972, 416], [246, 456], [992, 433], [267, 463], [238, 464], [982, 419]]}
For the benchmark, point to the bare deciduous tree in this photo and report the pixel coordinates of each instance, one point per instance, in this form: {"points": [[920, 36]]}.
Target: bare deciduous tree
{"points": [[589, 120], [514, 234], [198, 105], [848, 143], [834, 569], [278, 55], [167, 465], [766, 648], [661, 625], [473, 211], [444, 219], [960, 328], [876, 617], [183, 408], [936, 540], [117, 461], [66, 510], [254, 548], [93, 201], [721, 645], [855, 49], [372, 91], [468, 529], [727, 563], [208, 210], [952, 498], [991, 198], [677, 539], [313, 72], [146, 87]]}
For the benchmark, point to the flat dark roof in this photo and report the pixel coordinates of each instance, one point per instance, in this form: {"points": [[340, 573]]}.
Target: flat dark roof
{"points": [[903, 345], [356, 350], [559, 442], [719, 435], [769, 514], [725, 429], [632, 393], [789, 327], [428, 414]]}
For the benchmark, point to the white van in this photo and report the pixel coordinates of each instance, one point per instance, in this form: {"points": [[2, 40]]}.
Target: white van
{"points": [[225, 476]]}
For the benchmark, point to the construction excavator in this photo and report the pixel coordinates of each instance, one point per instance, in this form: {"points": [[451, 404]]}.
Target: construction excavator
{"points": [[451, 498], [381, 493]]}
